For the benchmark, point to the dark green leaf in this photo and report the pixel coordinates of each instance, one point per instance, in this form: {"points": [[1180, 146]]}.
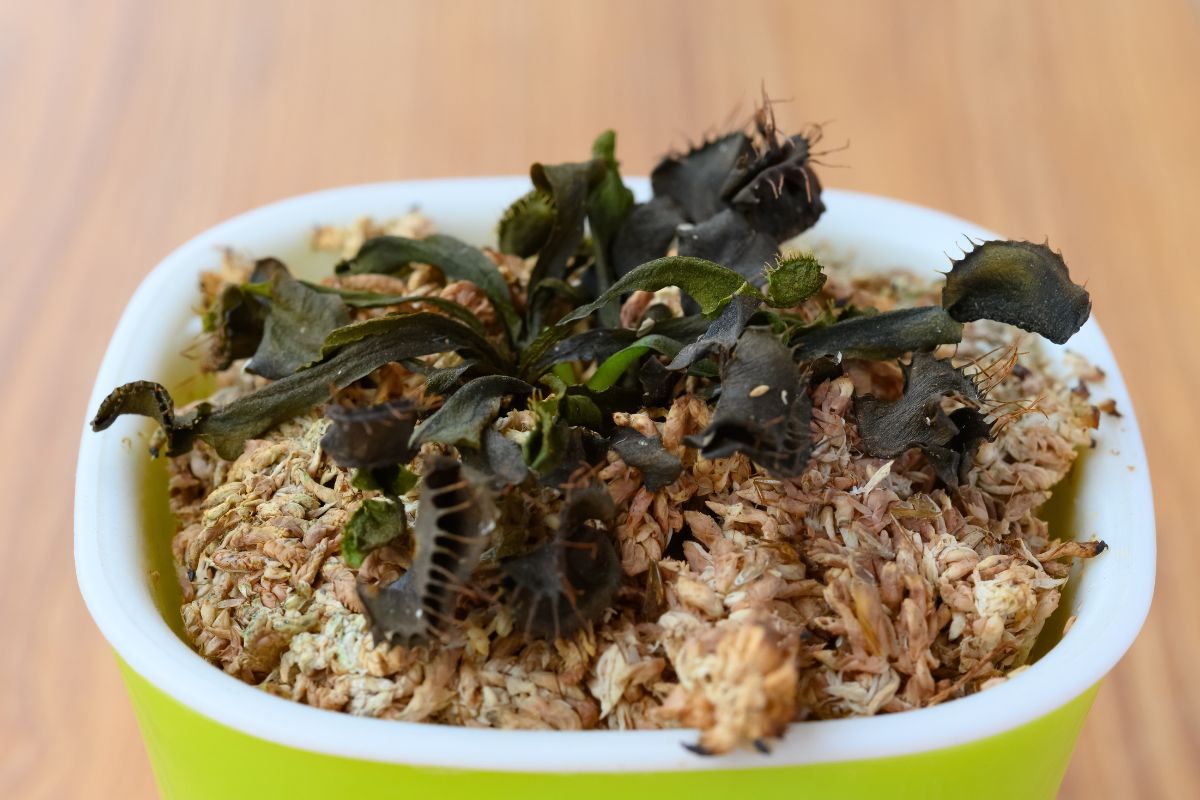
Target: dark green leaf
{"points": [[526, 224], [1018, 283], [764, 410], [394, 480], [722, 333], [236, 324], [456, 336], [658, 467], [593, 345], [569, 185], [608, 206], [445, 380], [456, 259], [707, 283], [297, 320], [356, 298], [455, 518], [658, 383], [695, 180], [647, 233], [882, 335], [379, 521], [370, 437], [571, 579], [462, 418], [498, 457], [727, 239], [918, 420], [781, 195], [793, 280]]}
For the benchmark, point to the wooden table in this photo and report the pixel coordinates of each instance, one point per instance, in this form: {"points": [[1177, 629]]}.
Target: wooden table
{"points": [[128, 126]]}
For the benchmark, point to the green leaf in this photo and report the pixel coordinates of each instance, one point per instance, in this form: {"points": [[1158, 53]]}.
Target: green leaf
{"points": [[709, 284], [526, 224], [591, 345], [379, 521], [881, 336], [297, 320], [462, 418], [453, 332], [356, 298], [1018, 283], [456, 259], [613, 367], [793, 280]]}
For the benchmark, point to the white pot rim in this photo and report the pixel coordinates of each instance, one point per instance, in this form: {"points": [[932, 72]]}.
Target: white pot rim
{"points": [[1114, 503]]}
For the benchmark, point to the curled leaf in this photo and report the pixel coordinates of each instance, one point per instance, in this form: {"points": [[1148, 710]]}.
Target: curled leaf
{"points": [[379, 521], [571, 579], [694, 180], [781, 195], [526, 224], [456, 259], [297, 320], [462, 418], [658, 467], [149, 399], [879, 336], [793, 280], [568, 185], [236, 324], [1018, 283], [764, 411], [454, 522], [352, 353], [728, 239], [370, 437], [917, 419]]}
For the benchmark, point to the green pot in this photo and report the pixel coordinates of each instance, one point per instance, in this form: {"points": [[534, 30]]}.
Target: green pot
{"points": [[210, 735]]}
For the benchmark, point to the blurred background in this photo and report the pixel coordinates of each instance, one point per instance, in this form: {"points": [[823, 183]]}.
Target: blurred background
{"points": [[127, 126]]}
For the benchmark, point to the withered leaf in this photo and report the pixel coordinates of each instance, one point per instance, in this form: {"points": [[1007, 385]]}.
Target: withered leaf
{"points": [[236, 324], [370, 437], [571, 579], [297, 320], [379, 521], [658, 467], [781, 195], [881, 336], [455, 518], [462, 418], [1018, 283], [764, 410]]}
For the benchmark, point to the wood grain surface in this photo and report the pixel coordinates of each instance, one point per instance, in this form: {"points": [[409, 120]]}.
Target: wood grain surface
{"points": [[128, 126]]}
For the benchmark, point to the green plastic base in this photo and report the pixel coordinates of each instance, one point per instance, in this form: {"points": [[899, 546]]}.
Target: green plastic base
{"points": [[196, 758]]}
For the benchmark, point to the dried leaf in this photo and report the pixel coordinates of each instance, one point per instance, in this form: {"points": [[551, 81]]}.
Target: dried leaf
{"points": [[236, 324], [1018, 283], [149, 399]]}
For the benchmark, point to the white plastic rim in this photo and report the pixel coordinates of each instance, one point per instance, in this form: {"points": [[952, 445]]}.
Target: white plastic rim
{"points": [[1113, 502]]}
